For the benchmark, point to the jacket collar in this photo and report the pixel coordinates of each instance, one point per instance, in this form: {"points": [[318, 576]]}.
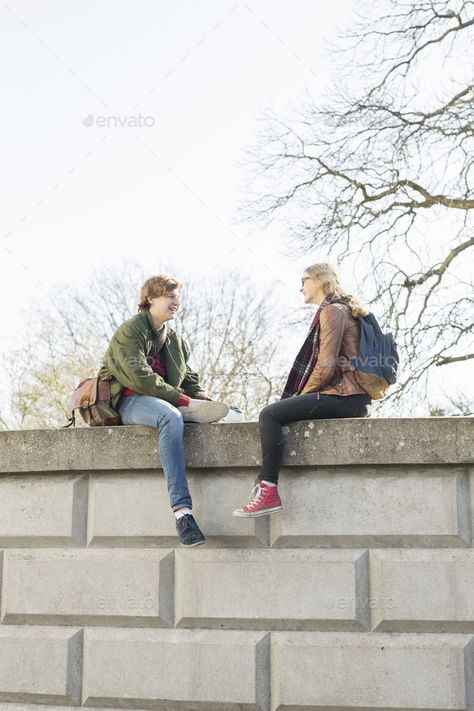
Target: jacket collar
{"points": [[151, 323]]}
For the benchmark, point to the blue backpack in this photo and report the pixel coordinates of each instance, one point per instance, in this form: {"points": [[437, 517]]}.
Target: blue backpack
{"points": [[376, 362]]}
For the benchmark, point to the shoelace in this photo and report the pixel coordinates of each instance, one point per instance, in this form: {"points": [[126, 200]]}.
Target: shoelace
{"points": [[258, 490]]}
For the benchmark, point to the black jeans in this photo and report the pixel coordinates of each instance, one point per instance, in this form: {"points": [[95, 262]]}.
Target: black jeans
{"points": [[312, 406]]}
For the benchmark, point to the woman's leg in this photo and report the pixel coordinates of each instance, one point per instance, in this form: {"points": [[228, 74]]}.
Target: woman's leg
{"points": [[312, 406], [265, 498], [150, 411]]}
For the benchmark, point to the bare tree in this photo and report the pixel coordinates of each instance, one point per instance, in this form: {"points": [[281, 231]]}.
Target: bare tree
{"points": [[381, 174], [234, 341], [227, 324], [456, 406], [65, 342]]}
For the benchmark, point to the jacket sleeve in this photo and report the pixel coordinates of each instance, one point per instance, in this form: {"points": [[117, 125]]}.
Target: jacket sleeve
{"points": [[191, 384], [127, 362], [331, 333]]}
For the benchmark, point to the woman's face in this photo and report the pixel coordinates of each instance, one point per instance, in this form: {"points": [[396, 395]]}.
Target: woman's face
{"points": [[311, 289], [163, 308]]}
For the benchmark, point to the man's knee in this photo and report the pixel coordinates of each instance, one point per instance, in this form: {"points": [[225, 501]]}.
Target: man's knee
{"points": [[171, 417]]}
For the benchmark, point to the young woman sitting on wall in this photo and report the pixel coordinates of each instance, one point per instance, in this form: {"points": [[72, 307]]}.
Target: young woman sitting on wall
{"points": [[321, 383]]}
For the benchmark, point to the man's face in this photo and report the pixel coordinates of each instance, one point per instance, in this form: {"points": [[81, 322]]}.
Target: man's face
{"points": [[164, 308]]}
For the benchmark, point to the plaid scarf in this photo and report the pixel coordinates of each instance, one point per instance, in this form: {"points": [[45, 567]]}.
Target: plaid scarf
{"points": [[307, 357]]}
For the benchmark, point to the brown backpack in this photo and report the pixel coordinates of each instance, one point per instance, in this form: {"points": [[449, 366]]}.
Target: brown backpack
{"points": [[92, 399]]}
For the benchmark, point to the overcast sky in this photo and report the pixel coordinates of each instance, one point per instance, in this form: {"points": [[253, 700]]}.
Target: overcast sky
{"points": [[124, 132], [187, 81]]}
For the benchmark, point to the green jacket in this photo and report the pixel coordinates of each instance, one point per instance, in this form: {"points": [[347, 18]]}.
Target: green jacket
{"points": [[128, 357]]}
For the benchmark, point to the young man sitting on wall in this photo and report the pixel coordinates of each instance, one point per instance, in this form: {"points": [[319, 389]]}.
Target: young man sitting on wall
{"points": [[152, 384]]}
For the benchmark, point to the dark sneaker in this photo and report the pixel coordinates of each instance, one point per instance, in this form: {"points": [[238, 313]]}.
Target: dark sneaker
{"points": [[189, 532]]}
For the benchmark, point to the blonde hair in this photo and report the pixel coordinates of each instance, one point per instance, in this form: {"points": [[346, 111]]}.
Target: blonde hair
{"points": [[329, 281], [157, 286]]}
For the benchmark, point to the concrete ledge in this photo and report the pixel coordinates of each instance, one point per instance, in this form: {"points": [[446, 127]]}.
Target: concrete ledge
{"points": [[437, 440]]}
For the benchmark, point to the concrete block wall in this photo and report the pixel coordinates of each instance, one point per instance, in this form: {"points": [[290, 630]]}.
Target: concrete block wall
{"points": [[358, 595]]}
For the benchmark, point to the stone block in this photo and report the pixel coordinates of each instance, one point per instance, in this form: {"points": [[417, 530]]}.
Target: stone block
{"points": [[392, 507], [134, 510], [177, 669], [369, 671], [422, 590], [272, 589], [48, 510], [40, 665], [88, 587]]}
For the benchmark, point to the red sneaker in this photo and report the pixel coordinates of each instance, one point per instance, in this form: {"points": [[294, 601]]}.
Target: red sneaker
{"points": [[264, 499]]}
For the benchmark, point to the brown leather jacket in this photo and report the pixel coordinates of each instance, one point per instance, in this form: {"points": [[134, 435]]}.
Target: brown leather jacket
{"points": [[339, 339]]}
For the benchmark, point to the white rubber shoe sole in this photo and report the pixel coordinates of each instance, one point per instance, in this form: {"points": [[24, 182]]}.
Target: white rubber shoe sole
{"points": [[239, 513], [206, 411]]}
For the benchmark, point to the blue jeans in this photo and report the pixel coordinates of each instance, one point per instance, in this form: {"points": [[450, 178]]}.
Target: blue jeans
{"points": [[150, 411]]}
